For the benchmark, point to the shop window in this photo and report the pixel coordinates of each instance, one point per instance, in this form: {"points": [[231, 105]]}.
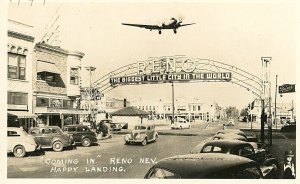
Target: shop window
{"points": [[42, 102], [74, 76], [57, 103], [16, 98], [68, 104], [16, 66]]}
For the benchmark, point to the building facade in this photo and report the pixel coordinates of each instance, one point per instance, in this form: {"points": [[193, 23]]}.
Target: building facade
{"points": [[19, 75], [56, 85], [184, 109]]}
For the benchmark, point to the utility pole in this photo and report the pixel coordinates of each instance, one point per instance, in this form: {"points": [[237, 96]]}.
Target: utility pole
{"points": [[275, 119], [264, 93], [90, 69], [173, 106]]}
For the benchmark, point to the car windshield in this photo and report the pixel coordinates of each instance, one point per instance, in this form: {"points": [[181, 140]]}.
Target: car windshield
{"points": [[140, 128]]}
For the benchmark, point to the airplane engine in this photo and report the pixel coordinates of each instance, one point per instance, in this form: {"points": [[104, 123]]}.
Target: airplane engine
{"points": [[159, 31], [175, 31]]}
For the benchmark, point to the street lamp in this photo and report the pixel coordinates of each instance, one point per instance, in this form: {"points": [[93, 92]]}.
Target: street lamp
{"points": [[173, 106]]}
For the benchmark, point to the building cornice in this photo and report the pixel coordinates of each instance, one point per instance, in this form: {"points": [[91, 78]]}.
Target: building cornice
{"points": [[50, 48], [20, 36]]}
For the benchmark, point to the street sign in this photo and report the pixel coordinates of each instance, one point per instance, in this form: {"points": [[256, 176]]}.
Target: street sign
{"points": [[287, 88]]}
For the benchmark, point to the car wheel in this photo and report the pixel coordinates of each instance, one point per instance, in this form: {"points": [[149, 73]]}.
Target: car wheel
{"points": [[19, 151], [144, 142], [57, 146], [126, 142], [86, 142]]}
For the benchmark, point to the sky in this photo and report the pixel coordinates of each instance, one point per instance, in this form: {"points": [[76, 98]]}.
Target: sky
{"points": [[237, 34]]}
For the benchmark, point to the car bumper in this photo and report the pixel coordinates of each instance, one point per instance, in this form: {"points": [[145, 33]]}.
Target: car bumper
{"points": [[134, 141]]}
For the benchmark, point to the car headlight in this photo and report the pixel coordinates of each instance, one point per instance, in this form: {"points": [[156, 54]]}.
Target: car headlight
{"points": [[127, 137]]}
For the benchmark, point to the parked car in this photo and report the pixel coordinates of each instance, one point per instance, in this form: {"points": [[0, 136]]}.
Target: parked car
{"points": [[180, 124], [197, 148], [81, 134], [52, 137], [230, 122], [210, 166], [232, 131], [142, 134], [235, 147], [19, 142]]}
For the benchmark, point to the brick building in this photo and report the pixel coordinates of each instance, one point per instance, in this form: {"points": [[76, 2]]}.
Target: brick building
{"points": [[56, 86], [19, 72]]}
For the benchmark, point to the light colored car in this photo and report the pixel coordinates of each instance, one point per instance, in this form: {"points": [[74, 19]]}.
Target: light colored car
{"points": [[230, 122], [142, 134], [180, 124], [19, 142]]}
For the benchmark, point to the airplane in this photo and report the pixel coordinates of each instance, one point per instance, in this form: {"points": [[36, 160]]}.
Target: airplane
{"points": [[175, 24]]}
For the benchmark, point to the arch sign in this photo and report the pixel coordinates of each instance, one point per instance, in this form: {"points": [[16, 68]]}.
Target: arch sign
{"points": [[169, 69]]}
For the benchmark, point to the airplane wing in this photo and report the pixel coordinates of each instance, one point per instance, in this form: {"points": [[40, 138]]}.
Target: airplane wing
{"points": [[186, 24], [143, 26]]}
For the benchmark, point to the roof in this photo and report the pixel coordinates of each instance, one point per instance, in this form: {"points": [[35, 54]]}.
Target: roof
{"points": [[130, 111], [202, 165], [226, 143]]}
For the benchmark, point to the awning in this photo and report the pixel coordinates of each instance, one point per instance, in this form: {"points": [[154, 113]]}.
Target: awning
{"points": [[47, 67], [21, 114]]}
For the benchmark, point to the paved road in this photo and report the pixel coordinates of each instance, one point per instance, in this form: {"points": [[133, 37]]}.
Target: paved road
{"points": [[112, 159]]}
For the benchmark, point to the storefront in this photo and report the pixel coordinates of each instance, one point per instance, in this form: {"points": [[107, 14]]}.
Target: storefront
{"points": [[47, 116], [22, 119]]}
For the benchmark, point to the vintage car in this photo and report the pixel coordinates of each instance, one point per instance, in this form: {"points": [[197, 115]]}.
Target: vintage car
{"points": [[197, 148], [180, 124], [210, 166], [19, 142], [230, 122], [142, 134], [235, 147], [231, 131], [81, 134], [52, 137]]}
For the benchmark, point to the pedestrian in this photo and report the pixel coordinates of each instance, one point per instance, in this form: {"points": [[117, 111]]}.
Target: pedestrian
{"points": [[288, 167], [207, 124]]}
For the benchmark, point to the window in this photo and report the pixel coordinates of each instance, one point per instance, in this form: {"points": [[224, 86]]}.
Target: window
{"points": [[57, 103], [69, 129], [16, 66], [74, 76], [16, 98], [199, 108], [45, 76], [12, 134], [68, 104], [42, 102]]}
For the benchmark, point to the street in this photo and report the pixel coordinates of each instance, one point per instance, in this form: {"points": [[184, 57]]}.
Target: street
{"points": [[113, 159]]}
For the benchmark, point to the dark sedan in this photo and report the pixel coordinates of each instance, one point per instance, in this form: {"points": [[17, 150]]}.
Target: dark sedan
{"points": [[234, 147], [81, 134], [210, 166]]}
